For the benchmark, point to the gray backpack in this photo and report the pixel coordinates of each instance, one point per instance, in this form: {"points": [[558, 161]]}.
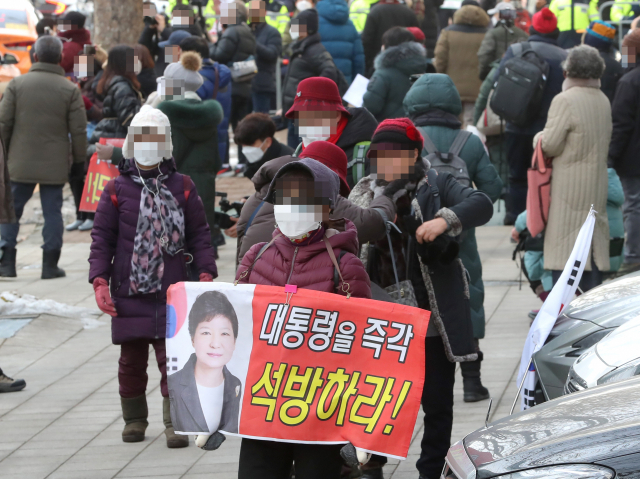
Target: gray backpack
{"points": [[449, 162]]}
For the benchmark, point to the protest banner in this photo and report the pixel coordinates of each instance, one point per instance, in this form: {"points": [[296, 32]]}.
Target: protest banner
{"points": [[99, 174], [303, 366]]}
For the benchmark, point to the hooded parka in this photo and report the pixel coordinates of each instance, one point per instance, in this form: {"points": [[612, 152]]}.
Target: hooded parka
{"points": [[429, 96], [391, 80], [457, 50], [340, 37], [143, 316], [495, 44], [195, 145]]}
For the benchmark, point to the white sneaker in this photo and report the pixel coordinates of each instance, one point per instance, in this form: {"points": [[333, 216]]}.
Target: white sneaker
{"points": [[86, 226], [74, 226]]}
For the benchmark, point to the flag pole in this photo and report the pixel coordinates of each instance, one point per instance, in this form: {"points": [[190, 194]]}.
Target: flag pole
{"points": [[515, 401]]}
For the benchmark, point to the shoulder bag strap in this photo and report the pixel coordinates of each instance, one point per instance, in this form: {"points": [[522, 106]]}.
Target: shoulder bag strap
{"points": [[336, 276], [262, 250], [345, 286], [432, 178], [459, 141], [392, 253], [252, 217], [215, 86], [428, 144]]}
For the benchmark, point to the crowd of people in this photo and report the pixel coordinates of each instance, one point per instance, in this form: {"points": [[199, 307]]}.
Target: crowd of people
{"points": [[398, 185]]}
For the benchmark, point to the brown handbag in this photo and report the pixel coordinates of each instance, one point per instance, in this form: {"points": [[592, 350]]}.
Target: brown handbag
{"points": [[539, 192]]}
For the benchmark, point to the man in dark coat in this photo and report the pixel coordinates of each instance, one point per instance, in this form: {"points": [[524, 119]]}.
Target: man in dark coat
{"points": [[236, 44], [519, 140], [383, 15], [600, 35], [268, 49], [624, 147]]}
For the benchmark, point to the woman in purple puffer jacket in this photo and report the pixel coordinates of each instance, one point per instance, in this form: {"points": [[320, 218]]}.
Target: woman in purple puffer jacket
{"points": [[303, 193], [149, 224]]}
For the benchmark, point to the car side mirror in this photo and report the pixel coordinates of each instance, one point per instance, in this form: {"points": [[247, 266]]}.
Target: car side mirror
{"points": [[9, 59]]}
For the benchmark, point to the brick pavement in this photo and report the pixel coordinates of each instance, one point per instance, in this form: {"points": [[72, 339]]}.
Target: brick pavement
{"points": [[67, 422]]}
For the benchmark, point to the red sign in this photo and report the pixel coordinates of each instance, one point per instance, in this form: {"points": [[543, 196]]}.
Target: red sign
{"points": [[321, 368], [99, 174]]}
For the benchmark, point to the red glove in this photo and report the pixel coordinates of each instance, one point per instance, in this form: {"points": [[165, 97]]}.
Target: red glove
{"points": [[206, 277], [103, 298]]}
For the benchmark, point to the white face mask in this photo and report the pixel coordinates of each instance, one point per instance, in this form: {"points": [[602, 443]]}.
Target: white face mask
{"points": [[148, 153], [253, 153], [295, 34], [303, 5], [294, 221], [310, 134]]}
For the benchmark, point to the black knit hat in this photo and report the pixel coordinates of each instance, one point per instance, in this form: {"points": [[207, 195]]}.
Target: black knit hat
{"points": [[309, 18], [397, 131], [74, 18]]}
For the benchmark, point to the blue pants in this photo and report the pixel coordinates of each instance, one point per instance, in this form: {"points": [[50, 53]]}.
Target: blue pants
{"points": [[261, 102], [51, 200]]}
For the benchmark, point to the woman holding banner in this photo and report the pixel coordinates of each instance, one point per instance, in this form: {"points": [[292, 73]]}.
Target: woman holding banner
{"points": [[301, 253], [433, 210]]}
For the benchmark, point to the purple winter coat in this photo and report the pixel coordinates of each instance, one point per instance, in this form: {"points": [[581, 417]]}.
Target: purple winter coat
{"points": [[143, 316]]}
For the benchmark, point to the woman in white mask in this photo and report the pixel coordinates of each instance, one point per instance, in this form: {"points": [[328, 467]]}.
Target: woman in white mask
{"points": [[150, 222], [303, 193]]}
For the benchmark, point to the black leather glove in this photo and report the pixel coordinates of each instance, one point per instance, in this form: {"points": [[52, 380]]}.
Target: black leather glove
{"points": [[214, 442]]}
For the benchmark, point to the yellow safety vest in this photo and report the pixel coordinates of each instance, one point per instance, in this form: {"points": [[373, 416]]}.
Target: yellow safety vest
{"points": [[208, 11], [583, 14], [621, 12], [358, 12], [278, 20]]}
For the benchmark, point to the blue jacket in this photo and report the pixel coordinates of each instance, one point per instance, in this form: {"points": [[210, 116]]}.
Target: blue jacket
{"points": [[340, 38], [205, 92]]}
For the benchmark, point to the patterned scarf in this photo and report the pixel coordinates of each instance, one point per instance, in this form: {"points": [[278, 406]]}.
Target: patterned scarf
{"points": [[160, 229]]}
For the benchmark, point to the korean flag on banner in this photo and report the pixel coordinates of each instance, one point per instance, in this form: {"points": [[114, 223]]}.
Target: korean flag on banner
{"points": [[561, 295]]}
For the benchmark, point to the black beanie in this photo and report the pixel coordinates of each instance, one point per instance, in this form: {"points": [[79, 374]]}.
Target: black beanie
{"points": [[309, 18], [74, 18]]}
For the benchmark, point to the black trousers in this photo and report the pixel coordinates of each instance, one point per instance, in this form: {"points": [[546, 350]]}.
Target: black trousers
{"points": [[437, 404], [519, 153], [76, 183], [273, 460]]}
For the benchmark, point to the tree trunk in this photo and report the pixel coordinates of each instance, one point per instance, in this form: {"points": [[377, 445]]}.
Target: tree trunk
{"points": [[117, 21]]}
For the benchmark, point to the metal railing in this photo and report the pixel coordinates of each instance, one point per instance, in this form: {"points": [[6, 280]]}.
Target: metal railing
{"points": [[621, 23]]}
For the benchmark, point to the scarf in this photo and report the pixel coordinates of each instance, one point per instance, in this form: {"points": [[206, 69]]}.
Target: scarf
{"points": [[160, 229], [436, 117], [342, 123]]}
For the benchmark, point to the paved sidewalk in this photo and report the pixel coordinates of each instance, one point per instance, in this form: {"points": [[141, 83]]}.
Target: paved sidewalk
{"points": [[67, 422]]}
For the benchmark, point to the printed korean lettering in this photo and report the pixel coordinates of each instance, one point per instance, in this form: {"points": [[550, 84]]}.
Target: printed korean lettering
{"points": [[400, 342], [375, 341], [279, 313], [270, 388], [344, 338], [297, 325], [301, 389], [323, 326], [378, 400]]}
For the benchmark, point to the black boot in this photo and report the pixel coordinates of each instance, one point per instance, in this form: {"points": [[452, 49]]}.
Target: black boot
{"points": [[474, 391], [50, 268], [8, 262]]}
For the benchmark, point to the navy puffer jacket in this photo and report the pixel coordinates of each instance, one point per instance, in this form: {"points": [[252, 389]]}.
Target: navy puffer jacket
{"points": [[143, 316], [340, 37]]}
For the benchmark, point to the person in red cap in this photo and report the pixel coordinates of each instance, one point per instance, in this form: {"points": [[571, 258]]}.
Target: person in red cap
{"points": [[319, 115], [256, 221], [519, 140], [433, 210]]}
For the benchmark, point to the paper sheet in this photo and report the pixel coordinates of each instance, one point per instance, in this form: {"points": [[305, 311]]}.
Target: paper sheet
{"points": [[356, 91]]}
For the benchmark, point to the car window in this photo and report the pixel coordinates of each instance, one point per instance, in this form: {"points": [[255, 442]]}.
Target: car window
{"points": [[13, 19]]}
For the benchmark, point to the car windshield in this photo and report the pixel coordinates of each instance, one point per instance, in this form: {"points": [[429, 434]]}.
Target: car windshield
{"points": [[13, 19]]}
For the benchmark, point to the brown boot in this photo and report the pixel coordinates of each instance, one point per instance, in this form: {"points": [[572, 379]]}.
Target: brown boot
{"points": [[134, 413], [174, 440]]}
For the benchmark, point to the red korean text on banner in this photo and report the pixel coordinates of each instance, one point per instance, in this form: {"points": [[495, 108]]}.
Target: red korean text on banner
{"points": [[320, 368], [99, 174]]}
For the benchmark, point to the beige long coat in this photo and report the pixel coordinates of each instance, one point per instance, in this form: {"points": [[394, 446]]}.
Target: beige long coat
{"points": [[577, 135]]}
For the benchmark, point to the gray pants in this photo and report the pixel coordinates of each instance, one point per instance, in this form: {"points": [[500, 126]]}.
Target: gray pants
{"points": [[51, 200], [631, 208]]}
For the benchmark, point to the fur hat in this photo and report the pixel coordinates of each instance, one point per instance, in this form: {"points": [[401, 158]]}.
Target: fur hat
{"points": [[186, 69], [147, 116]]}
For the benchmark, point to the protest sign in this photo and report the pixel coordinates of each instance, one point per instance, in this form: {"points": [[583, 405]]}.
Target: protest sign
{"points": [[303, 366], [99, 174]]}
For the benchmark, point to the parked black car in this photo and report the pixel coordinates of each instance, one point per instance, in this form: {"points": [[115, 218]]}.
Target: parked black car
{"points": [[594, 434]]}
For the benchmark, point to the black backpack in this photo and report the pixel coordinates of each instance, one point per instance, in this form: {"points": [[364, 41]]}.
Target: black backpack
{"points": [[517, 96]]}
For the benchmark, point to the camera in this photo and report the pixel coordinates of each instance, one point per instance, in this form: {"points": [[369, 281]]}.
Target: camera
{"points": [[150, 21], [222, 219], [88, 49]]}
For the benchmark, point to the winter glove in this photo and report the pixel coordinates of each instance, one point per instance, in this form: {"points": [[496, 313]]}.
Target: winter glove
{"points": [[103, 298], [353, 456], [206, 277], [105, 152], [210, 442]]}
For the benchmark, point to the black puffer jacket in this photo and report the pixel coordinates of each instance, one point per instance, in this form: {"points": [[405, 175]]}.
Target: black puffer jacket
{"points": [[613, 71], [121, 103], [430, 25], [309, 58], [268, 49], [360, 127], [625, 137], [236, 44]]}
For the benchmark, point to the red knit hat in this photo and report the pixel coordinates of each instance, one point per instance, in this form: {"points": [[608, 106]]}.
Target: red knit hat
{"points": [[545, 21], [417, 34], [317, 94], [333, 158], [399, 131]]}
